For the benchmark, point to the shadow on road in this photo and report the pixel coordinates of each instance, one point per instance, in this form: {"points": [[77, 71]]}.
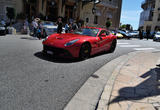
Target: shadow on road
{"points": [[58, 59], [149, 87], [55, 59], [30, 38]]}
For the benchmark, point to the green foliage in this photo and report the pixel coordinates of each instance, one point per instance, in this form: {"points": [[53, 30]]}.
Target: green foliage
{"points": [[123, 26], [108, 24], [126, 27]]}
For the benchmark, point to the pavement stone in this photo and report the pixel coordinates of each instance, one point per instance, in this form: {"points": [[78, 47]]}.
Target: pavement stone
{"points": [[136, 86]]}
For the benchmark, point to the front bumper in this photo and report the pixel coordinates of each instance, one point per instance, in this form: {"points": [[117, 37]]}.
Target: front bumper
{"points": [[2, 32], [57, 52], [156, 38]]}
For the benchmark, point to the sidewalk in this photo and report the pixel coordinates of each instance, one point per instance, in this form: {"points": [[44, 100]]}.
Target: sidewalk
{"points": [[134, 86]]}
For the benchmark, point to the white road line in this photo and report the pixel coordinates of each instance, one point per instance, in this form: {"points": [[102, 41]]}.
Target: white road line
{"points": [[122, 43], [144, 49], [129, 46]]}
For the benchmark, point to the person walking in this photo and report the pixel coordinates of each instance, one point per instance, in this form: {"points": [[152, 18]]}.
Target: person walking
{"points": [[39, 30], [74, 25], [60, 24], [66, 28], [147, 34], [35, 26], [140, 34]]}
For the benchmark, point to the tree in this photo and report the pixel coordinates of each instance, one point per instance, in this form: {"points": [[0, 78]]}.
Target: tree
{"points": [[123, 26], [10, 13], [108, 23]]}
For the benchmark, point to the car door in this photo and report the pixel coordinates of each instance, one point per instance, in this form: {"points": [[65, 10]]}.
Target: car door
{"points": [[104, 40]]}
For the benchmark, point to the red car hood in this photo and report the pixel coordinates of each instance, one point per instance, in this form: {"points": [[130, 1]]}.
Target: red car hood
{"points": [[61, 39]]}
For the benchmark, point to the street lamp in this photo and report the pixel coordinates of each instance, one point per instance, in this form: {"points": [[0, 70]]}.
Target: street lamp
{"points": [[93, 10], [97, 1], [94, 5]]}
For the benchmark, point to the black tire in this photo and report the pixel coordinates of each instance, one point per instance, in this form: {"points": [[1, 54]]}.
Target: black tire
{"points": [[113, 46], [85, 51]]}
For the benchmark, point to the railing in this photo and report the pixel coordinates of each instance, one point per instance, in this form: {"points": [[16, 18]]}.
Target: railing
{"points": [[146, 2], [109, 3]]}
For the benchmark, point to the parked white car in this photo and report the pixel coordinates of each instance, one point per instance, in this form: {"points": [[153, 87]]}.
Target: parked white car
{"points": [[50, 28], [156, 36], [134, 34], [2, 30]]}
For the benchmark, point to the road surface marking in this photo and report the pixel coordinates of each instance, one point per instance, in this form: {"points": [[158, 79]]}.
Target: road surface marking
{"points": [[144, 48], [122, 43], [130, 46]]}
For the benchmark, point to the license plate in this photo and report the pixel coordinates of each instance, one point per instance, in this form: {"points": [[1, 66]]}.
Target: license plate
{"points": [[50, 52]]}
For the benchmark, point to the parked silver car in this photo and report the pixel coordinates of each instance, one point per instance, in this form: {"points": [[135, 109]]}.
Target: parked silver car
{"points": [[50, 28], [134, 34], [156, 36]]}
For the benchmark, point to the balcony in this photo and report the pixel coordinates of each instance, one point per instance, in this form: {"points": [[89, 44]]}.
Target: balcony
{"points": [[109, 4], [145, 3]]}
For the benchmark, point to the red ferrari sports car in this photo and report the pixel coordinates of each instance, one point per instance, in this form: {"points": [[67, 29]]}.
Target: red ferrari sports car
{"points": [[82, 43]]}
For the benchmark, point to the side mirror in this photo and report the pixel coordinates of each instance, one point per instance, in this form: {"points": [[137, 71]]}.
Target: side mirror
{"points": [[102, 35]]}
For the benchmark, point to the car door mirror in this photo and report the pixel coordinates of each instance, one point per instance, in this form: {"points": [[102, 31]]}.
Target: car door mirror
{"points": [[102, 35]]}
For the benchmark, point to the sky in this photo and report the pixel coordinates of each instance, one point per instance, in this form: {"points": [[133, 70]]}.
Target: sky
{"points": [[131, 10]]}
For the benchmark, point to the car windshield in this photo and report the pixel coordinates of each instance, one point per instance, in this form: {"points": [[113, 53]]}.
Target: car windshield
{"points": [[1, 25], [48, 23], [87, 32], [158, 33], [134, 32], [121, 32]]}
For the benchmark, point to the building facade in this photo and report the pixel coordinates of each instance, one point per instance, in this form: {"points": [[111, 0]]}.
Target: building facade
{"points": [[150, 17], [87, 10], [106, 9]]}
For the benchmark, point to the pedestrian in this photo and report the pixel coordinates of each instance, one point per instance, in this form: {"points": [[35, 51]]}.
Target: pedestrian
{"points": [[70, 28], [147, 34], [35, 26], [39, 30], [66, 28], [140, 34], [26, 26], [3, 22], [74, 26], [60, 24]]}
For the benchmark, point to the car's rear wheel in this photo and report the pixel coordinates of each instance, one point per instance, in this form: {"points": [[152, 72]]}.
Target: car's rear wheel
{"points": [[113, 46], [85, 51]]}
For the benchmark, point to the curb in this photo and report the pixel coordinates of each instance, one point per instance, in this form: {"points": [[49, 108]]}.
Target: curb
{"points": [[106, 95], [90, 95]]}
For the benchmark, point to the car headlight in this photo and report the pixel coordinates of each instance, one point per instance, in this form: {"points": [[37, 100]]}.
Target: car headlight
{"points": [[2, 28], [71, 42]]}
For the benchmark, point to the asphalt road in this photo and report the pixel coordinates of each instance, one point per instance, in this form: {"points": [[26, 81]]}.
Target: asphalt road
{"points": [[31, 81]]}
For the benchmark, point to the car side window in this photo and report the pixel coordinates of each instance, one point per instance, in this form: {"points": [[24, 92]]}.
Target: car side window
{"points": [[107, 33], [104, 32]]}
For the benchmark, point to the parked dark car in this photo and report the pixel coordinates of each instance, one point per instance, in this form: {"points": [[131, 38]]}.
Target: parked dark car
{"points": [[125, 34], [2, 30]]}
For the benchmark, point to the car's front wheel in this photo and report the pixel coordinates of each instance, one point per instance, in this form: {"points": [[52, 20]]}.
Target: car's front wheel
{"points": [[113, 46], [85, 51]]}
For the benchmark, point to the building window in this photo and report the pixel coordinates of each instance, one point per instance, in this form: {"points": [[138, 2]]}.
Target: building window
{"points": [[158, 17], [87, 20], [95, 19]]}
